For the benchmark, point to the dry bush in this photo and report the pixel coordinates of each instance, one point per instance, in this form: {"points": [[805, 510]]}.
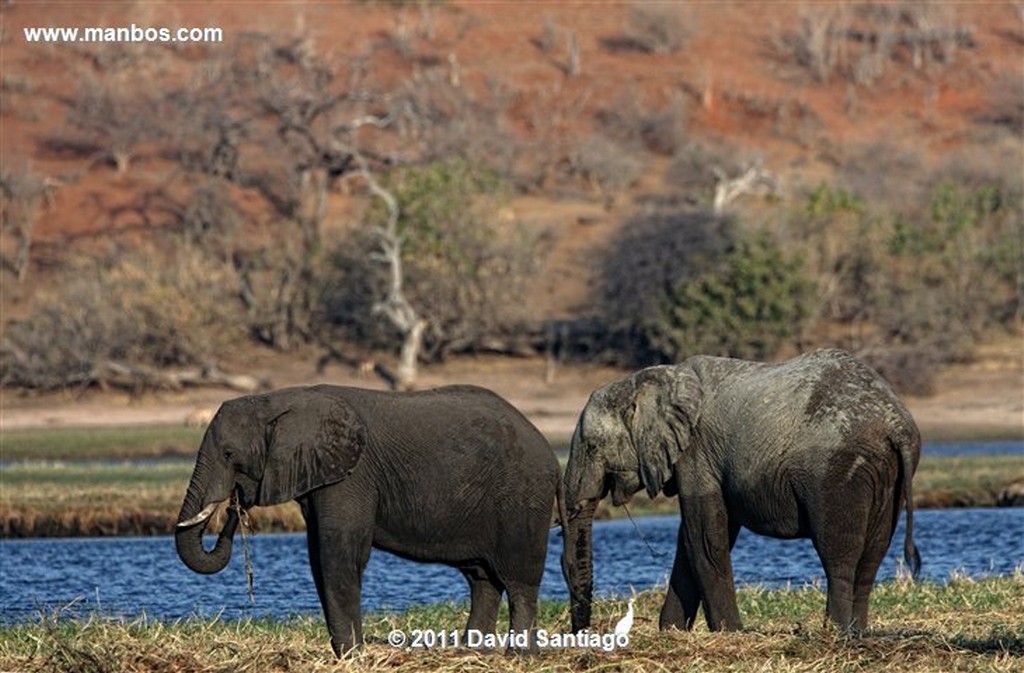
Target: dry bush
{"points": [[631, 121], [1006, 102], [694, 167], [211, 220], [109, 120], [109, 319], [24, 193], [885, 174], [659, 28], [550, 36], [605, 164], [861, 44], [653, 253], [444, 119]]}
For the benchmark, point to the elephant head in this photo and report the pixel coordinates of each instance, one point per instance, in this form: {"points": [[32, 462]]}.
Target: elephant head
{"points": [[264, 450], [629, 436]]}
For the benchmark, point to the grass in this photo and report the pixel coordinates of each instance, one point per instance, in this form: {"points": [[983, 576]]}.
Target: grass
{"points": [[61, 498], [964, 481], [92, 443], [88, 482], [963, 625]]}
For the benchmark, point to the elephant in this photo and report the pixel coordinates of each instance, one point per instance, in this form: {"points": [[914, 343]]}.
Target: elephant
{"points": [[454, 475], [818, 446]]}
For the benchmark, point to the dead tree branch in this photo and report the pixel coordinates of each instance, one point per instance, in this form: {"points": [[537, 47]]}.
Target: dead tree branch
{"points": [[755, 180], [395, 306]]}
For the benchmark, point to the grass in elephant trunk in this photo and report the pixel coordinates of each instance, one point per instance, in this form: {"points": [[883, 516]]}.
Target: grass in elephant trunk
{"points": [[963, 625]]}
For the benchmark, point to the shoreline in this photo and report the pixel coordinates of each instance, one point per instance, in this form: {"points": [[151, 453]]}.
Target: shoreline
{"points": [[26, 524]]}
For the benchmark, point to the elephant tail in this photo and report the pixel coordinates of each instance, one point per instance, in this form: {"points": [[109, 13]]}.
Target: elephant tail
{"points": [[909, 450]]}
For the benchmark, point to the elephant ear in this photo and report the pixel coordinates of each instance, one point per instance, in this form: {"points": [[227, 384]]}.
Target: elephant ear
{"points": [[662, 424], [315, 442]]}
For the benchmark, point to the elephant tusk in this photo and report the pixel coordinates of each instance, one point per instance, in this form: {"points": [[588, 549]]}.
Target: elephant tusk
{"points": [[199, 518]]}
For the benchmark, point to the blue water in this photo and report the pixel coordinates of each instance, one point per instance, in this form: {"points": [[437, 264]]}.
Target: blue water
{"points": [[955, 449], [143, 576]]}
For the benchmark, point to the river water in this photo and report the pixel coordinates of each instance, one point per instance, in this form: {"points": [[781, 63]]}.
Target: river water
{"points": [[143, 576]]}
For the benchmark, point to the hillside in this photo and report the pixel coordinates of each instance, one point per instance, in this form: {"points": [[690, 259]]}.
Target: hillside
{"points": [[596, 114]]}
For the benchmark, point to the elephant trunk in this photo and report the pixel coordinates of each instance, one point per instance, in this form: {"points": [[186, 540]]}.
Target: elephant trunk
{"points": [[188, 540], [584, 486], [578, 565], [195, 517]]}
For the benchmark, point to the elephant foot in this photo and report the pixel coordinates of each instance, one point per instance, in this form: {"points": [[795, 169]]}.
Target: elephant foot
{"points": [[344, 648]]}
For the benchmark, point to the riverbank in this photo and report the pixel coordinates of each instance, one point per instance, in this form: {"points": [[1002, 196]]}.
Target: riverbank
{"points": [[115, 496], [962, 625], [77, 466]]}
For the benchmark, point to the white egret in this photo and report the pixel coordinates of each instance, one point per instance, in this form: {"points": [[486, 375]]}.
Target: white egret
{"points": [[626, 623]]}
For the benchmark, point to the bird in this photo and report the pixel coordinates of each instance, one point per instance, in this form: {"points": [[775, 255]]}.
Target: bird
{"points": [[626, 623]]}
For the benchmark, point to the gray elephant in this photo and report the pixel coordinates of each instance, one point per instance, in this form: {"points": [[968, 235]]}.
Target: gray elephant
{"points": [[816, 447], [454, 475]]}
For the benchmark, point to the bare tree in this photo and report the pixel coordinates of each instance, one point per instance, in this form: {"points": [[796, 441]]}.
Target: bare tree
{"points": [[262, 120], [395, 306], [754, 180], [110, 121], [24, 193], [574, 69]]}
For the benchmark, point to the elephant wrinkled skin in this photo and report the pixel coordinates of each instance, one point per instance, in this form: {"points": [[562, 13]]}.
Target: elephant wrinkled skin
{"points": [[454, 475], [816, 447]]}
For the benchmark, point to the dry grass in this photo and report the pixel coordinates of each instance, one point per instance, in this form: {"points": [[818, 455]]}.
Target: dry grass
{"points": [[108, 498], [68, 498], [963, 626]]}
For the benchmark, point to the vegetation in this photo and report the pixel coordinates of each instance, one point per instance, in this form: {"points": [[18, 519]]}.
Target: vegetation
{"points": [[51, 444], [964, 625], [110, 320], [861, 43], [62, 482], [464, 259], [918, 286], [259, 197], [747, 304]]}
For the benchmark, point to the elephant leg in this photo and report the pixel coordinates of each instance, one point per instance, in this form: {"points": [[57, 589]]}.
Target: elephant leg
{"points": [[708, 537], [339, 536], [682, 600], [875, 547], [484, 600], [343, 557], [314, 565], [840, 548], [522, 611]]}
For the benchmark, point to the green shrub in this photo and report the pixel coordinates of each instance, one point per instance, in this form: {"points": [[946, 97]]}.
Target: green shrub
{"points": [[746, 304], [914, 288], [681, 283]]}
